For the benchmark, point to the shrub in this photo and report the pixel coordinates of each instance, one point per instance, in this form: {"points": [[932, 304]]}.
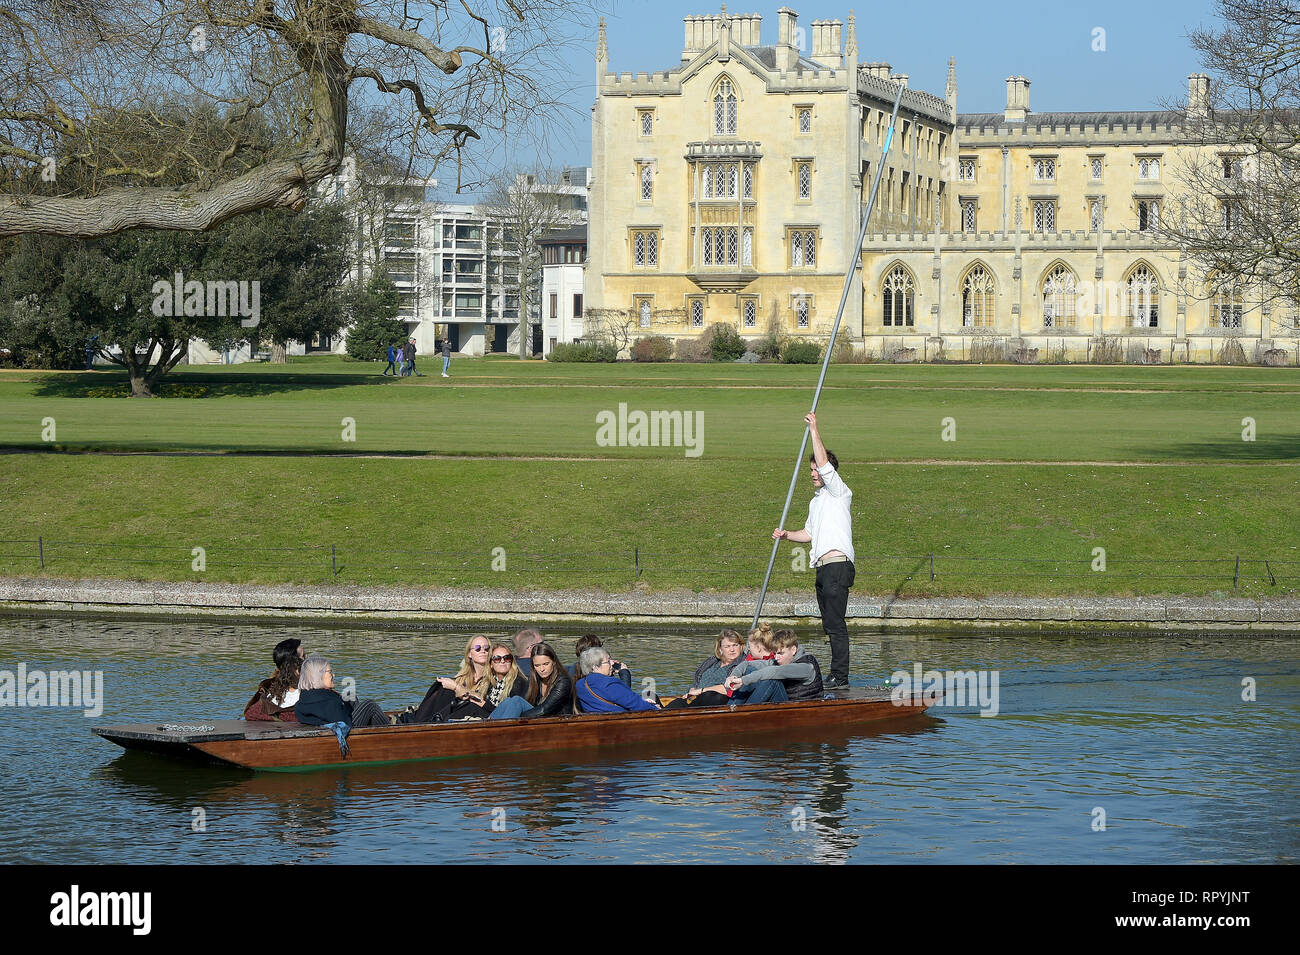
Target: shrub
{"points": [[652, 348], [846, 354], [726, 344], [801, 351], [585, 351], [1106, 351], [1231, 353]]}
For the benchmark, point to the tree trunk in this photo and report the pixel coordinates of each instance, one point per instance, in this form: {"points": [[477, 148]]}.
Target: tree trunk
{"points": [[279, 355], [141, 384], [524, 350]]}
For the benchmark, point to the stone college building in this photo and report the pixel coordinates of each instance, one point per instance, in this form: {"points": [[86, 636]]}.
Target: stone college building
{"points": [[729, 188]]}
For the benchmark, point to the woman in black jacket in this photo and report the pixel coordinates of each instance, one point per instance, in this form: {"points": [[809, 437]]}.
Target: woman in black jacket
{"points": [[318, 703], [550, 689]]}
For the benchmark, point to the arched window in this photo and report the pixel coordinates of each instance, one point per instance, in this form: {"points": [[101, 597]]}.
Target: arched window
{"points": [[1225, 306], [645, 313], [724, 108], [1060, 297], [1142, 293], [977, 298], [898, 293]]}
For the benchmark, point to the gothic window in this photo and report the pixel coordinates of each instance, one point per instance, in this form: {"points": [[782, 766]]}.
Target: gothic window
{"points": [[1143, 298], [749, 181], [1231, 215], [898, 293], [1045, 170], [1149, 168], [1044, 215], [966, 169], [968, 215], [708, 246], [801, 310], [708, 182], [1094, 214], [697, 313], [1148, 215], [1225, 310], [803, 249], [644, 313], [731, 180], [647, 181], [724, 109], [747, 248], [1096, 165], [977, 298], [647, 118], [732, 250], [804, 171], [805, 120], [749, 312], [645, 249], [1059, 298]]}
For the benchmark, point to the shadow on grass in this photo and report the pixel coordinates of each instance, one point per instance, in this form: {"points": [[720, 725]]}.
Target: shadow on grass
{"points": [[1265, 447], [182, 384]]}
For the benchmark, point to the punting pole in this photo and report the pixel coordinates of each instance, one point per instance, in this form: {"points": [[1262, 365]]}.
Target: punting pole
{"points": [[839, 314]]}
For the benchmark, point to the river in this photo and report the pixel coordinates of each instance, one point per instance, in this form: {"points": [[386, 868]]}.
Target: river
{"points": [[1111, 747]]}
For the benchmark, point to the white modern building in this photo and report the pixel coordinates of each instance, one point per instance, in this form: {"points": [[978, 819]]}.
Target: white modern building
{"points": [[564, 266]]}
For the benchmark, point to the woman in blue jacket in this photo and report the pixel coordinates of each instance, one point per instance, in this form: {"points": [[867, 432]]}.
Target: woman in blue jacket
{"points": [[600, 692]]}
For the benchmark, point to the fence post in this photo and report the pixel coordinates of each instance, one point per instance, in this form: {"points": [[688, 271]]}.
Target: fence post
{"points": [[636, 559], [932, 566], [334, 564], [40, 550], [1236, 571]]}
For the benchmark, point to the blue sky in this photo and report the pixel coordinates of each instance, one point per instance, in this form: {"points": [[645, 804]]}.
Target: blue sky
{"points": [[1146, 58]]}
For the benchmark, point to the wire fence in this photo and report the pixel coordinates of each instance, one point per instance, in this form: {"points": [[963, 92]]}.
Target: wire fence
{"points": [[377, 563]]}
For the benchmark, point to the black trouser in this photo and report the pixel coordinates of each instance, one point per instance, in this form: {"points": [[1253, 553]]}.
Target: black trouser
{"points": [[707, 698], [368, 713], [440, 704], [833, 583]]}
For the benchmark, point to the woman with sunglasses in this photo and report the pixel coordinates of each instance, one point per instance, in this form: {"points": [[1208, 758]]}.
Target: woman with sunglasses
{"points": [[550, 689], [505, 681], [461, 695]]}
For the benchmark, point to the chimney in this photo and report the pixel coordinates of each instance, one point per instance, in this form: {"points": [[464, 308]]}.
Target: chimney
{"points": [[900, 78], [787, 38], [950, 90], [1198, 96], [1017, 99], [690, 48], [826, 43]]}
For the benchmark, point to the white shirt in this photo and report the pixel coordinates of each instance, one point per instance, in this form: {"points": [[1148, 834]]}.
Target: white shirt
{"points": [[829, 523], [290, 699]]}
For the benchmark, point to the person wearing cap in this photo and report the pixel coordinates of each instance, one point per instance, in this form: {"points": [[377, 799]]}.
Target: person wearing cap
{"points": [[829, 534]]}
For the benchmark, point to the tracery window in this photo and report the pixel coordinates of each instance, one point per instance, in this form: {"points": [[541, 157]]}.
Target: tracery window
{"points": [[1143, 298], [724, 109], [977, 298], [1059, 298], [898, 293]]}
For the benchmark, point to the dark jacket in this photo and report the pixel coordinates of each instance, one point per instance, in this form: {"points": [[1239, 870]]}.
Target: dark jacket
{"points": [[446, 349], [624, 674], [802, 676], [713, 671], [518, 688], [556, 702], [318, 707], [260, 706]]}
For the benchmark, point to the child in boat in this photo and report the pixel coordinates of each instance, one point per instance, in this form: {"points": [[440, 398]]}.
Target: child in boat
{"points": [[598, 691], [319, 703], [277, 694], [791, 675]]}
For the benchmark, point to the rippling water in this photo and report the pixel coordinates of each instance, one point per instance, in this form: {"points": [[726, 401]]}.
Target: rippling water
{"points": [[1150, 728]]}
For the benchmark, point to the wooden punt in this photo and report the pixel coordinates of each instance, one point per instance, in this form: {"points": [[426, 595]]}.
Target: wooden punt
{"points": [[288, 746]]}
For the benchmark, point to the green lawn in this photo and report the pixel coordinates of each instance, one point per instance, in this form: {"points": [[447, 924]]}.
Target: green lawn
{"points": [[500, 432]]}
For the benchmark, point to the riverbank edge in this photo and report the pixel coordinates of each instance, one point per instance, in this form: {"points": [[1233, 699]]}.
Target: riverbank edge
{"points": [[386, 605]]}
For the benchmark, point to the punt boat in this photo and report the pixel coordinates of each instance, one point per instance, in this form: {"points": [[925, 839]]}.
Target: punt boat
{"points": [[291, 746]]}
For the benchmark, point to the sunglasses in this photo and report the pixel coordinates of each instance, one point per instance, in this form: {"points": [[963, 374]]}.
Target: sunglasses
{"points": [[502, 658]]}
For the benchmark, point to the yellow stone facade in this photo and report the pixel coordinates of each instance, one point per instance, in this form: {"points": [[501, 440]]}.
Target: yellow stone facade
{"points": [[730, 188]]}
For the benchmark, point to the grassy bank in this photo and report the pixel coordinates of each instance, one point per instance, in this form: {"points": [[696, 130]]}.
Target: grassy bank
{"points": [[1168, 487]]}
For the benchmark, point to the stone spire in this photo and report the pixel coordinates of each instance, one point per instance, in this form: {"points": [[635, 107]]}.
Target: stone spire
{"points": [[602, 47], [851, 44], [950, 90]]}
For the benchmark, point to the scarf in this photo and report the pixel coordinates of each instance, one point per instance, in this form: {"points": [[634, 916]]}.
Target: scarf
{"points": [[498, 690]]}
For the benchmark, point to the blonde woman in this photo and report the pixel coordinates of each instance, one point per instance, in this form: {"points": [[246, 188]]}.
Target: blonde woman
{"points": [[504, 677], [461, 695]]}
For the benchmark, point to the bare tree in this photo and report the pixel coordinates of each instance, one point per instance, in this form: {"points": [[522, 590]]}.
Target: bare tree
{"points": [[1237, 213], [75, 75], [527, 211]]}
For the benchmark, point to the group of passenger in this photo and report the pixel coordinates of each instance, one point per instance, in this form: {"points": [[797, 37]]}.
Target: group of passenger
{"points": [[525, 678]]}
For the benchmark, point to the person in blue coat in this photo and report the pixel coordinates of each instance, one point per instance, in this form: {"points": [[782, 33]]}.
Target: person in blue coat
{"points": [[598, 691], [392, 360]]}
